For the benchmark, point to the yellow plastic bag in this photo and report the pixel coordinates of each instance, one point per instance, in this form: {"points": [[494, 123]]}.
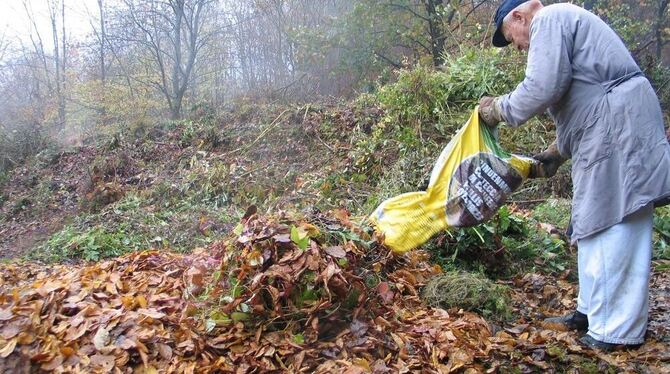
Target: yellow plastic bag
{"points": [[472, 178]]}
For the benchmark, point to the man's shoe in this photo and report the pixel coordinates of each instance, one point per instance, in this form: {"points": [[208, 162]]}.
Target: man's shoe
{"points": [[573, 321], [593, 343]]}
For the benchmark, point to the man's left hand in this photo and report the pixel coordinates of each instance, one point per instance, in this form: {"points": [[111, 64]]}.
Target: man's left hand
{"points": [[547, 163]]}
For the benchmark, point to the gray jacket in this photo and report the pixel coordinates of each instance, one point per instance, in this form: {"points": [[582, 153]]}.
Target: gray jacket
{"points": [[608, 118]]}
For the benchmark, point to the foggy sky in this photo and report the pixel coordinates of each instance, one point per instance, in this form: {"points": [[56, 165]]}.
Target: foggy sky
{"points": [[16, 26]]}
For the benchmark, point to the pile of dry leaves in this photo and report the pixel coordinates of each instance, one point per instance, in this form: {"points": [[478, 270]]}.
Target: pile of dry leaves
{"points": [[534, 345], [278, 296]]}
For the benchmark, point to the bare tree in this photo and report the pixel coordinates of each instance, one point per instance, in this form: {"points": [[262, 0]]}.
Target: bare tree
{"points": [[100, 33], [102, 38], [38, 44], [59, 55], [173, 32]]}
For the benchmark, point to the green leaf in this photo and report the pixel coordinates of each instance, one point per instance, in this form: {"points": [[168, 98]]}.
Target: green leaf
{"points": [[300, 239], [239, 316], [237, 290], [307, 296], [219, 318], [238, 229], [298, 339]]}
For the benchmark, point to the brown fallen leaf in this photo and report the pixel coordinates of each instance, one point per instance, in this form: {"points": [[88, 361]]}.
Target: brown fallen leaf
{"points": [[336, 251], [9, 331], [151, 313], [67, 351], [54, 364], [141, 301], [385, 292], [6, 314], [104, 362], [8, 348], [128, 301], [303, 311], [360, 363], [459, 358], [518, 329], [125, 343], [101, 338], [165, 351], [553, 326], [25, 338], [74, 333]]}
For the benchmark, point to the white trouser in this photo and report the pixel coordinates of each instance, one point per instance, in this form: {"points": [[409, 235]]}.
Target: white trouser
{"points": [[614, 268]]}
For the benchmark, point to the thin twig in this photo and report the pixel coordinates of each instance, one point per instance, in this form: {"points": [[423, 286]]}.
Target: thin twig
{"points": [[253, 171], [528, 201], [304, 118], [262, 134], [324, 143]]}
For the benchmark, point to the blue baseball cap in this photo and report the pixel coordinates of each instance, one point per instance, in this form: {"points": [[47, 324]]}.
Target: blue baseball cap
{"points": [[505, 7]]}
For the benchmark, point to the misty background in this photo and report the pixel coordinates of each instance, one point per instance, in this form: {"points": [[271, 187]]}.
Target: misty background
{"points": [[74, 70]]}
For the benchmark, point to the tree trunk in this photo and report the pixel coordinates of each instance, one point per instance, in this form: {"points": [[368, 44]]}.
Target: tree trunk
{"points": [[435, 30], [103, 36], [178, 8], [102, 112], [57, 59], [64, 49], [660, 20]]}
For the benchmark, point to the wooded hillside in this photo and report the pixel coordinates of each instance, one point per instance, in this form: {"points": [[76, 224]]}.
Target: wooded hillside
{"points": [[185, 187]]}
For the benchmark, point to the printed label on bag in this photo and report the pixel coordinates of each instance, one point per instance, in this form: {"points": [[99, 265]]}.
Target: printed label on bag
{"points": [[478, 187]]}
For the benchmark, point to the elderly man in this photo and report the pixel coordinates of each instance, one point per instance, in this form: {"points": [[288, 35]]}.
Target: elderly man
{"points": [[609, 122]]}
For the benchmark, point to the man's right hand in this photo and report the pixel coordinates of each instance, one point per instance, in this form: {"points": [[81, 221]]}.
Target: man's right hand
{"points": [[489, 112], [548, 163]]}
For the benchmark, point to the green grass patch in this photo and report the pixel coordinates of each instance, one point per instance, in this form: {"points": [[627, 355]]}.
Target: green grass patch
{"points": [[661, 238], [505, 246], [92, 244], [137, 223], [554, 211], [469, 291]]}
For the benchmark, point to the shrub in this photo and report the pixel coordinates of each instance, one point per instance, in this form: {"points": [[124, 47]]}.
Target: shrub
{"points": [[504, 246], [421, 112]]}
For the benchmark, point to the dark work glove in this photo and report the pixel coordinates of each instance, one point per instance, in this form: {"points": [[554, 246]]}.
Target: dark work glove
{"points": [[489, 111], [548, 162]]}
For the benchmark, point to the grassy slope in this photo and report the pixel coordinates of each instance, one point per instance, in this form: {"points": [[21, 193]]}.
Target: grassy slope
{"points": [[175, 185], [186, 184]]}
